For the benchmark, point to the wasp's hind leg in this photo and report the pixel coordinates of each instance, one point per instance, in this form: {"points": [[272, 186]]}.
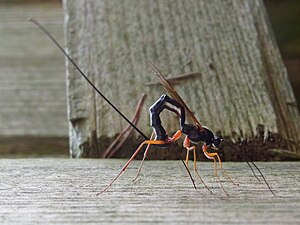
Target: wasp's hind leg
{"points": [[148, 142], [144, 157], [169, 140]]}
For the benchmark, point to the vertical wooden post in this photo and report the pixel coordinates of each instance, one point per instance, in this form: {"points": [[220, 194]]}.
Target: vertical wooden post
{"points": [[242, 91]]}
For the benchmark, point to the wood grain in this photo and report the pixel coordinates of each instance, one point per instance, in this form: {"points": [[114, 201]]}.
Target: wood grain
{"points": [[32, 73], [62, 191], [243, 83]]}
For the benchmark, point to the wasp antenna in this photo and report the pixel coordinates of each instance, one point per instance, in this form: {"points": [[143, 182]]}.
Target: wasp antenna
{"points": [[252, 171], [263, 177], [248, 161]]}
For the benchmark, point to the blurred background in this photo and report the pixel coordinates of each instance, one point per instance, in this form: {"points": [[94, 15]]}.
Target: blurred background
{"points": [[33, 109]]}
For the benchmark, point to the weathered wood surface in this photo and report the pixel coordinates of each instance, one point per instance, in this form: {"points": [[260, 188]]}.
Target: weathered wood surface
{"points": [[243, 84], [62, 191], [32, 73]]}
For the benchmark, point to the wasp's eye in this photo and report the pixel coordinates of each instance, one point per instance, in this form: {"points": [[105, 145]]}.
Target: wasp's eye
{"points": [[217, 142]]}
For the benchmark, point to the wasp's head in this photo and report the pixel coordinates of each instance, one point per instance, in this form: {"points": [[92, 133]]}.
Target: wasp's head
{"points": [[210, 139], [204, 134], [217, 142]]}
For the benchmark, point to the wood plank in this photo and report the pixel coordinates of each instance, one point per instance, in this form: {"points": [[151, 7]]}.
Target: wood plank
{"points": [[62, 191], [33, 87]]}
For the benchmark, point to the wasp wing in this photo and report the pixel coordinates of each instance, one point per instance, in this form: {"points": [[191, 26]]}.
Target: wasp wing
{"points": [[173, 93]]}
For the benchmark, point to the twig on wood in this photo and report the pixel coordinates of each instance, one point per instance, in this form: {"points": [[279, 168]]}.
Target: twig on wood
{"points": [[284, 154], [119, 141], [176, 79]]}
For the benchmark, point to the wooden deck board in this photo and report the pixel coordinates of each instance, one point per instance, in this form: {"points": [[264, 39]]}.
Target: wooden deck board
{"points": [[32, 73], [62, 191]]}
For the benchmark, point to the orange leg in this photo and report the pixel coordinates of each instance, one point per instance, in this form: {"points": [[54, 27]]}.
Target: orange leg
{"points": [[145, 155], [176, 136], [187, 145], [215, 156]]}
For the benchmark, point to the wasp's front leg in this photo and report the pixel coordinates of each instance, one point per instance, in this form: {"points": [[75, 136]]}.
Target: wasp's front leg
{"points": [[215, 156], [187, 145]]}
